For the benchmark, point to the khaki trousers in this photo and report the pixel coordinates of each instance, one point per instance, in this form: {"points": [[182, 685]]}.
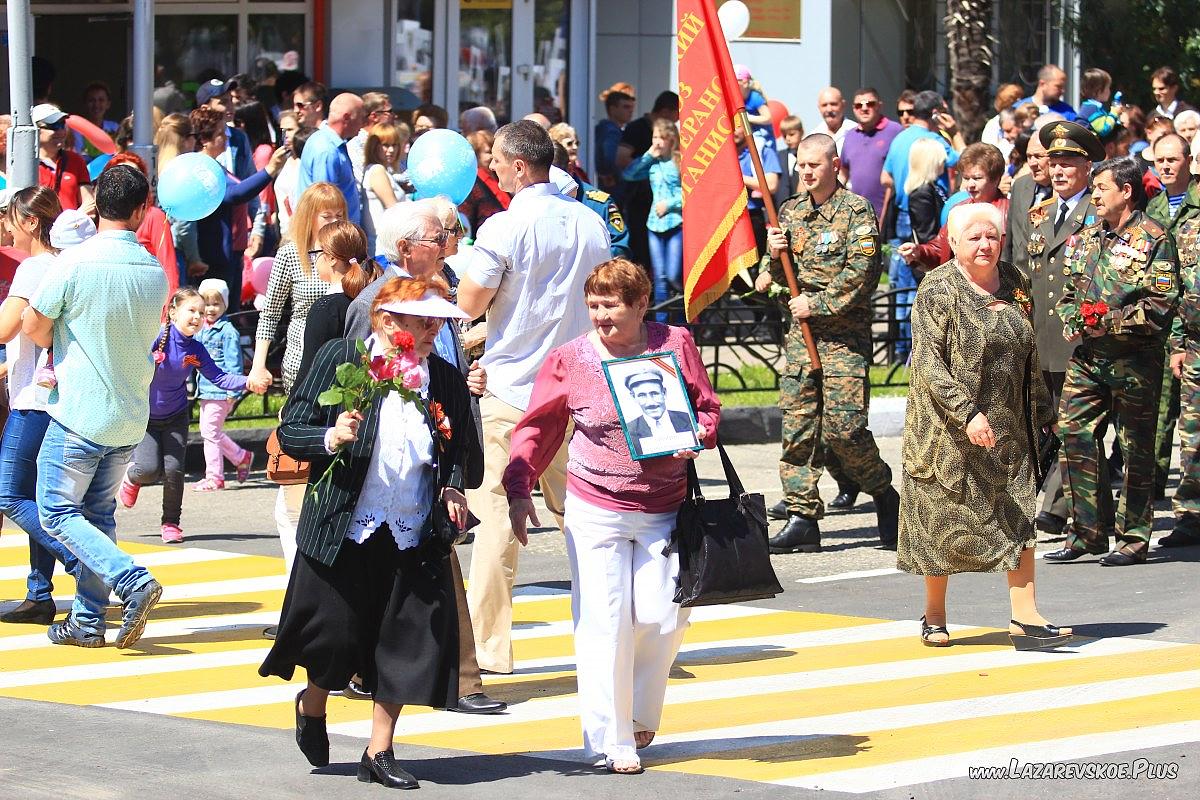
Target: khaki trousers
{"points": [[494, 559], [469, 681]]}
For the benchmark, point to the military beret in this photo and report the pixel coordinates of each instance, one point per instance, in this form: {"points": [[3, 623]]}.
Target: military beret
{"points": [[1071, 139]]}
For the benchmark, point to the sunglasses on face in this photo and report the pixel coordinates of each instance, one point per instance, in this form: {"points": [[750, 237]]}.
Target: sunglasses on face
{"points": [[440, 240], [300, 105], [904, 112], [868, 104], [428, 323]]}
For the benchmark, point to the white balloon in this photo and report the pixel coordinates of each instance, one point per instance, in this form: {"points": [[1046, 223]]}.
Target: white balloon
{"points": [[735, 19]]}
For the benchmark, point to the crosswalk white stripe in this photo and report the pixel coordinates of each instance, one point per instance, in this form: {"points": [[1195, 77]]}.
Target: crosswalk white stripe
{"points": [[955, 765], [131, 668], [846, 576], [550, 708], [13, 539], [187, 555], [190, 626], [267, 694], [200, 625], [696, 744]]}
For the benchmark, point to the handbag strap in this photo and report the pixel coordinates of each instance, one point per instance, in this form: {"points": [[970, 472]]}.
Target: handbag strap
{"points": [[731, 477]]}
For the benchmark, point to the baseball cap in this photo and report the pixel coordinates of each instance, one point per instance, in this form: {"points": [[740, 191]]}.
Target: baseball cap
{"points": [[214, 88], [741, 72], [48, 113]]}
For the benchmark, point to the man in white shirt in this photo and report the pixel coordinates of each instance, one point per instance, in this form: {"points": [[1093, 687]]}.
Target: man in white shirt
{"points": [[527, 271], [832, 106]]}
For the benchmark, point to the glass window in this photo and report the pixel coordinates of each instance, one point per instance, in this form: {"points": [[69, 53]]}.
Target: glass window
{"points": [[485, 60], [279, 37], [192, 48], [552, 29], [412, 52]]}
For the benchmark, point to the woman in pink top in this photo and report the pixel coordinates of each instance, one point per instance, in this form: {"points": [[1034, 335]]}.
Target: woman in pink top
{"points": [[619, 513]]}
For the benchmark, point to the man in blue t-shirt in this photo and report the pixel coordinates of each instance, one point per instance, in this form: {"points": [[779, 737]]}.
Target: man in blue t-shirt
{"points": [[771, 171], [1052, 82]]}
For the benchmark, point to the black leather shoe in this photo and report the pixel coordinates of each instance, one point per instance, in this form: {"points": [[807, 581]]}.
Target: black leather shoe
{"points": [[1049, 523], [31, 612], [137, 611], [846, 499], [1073, 549], [1037, 637], [887, 513], [384, 769], [66, 632], [479, 703], [312, 737], [778, 511], [799, 535], [1124, 557], [1185, 534]]}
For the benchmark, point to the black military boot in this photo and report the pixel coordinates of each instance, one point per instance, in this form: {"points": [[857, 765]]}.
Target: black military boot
{"points": [[778, 511], [887, 513], [800, 535], [1185, 534], [846, 498]]}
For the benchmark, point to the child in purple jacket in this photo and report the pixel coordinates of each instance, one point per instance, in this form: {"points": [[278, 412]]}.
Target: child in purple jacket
{"points": [[160, 455]]}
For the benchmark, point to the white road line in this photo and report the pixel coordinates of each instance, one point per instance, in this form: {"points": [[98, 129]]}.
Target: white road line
{"points": [[13, 540], [565, 706], [168, 628], [936, 768], [845, 576], [186, 555], [130, 668], [268, 694]]}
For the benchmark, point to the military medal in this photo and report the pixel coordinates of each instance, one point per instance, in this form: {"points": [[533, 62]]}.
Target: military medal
{"points": [[1037, 244]]}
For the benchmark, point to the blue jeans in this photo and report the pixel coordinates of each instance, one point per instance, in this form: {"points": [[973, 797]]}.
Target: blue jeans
{"points": [[900, 276], [666, 259], [77, 501], [23, 434]]}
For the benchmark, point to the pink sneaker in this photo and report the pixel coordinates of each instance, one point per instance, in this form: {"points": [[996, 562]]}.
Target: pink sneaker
{"points": [[172, 534], [243, 467], [209, 485], [128, 493]]}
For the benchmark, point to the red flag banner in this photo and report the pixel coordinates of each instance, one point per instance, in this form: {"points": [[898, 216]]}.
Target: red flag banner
{"points": [[718, 241]]}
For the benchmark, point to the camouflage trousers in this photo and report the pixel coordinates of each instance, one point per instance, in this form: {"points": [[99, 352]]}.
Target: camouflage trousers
{"points": [[1164, 437], [830, 412], [1187, 496], [1096, 386]]}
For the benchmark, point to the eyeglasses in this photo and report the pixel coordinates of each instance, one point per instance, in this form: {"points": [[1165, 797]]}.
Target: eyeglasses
{"points": [[391, 112], [440, 240], [301, 104], [869, 104], [568, 142], [428, 323], [313, 255], [904, 112], [457, 230]]}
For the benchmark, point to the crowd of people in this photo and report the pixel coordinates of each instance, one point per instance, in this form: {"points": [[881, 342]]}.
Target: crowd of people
{"points": [[1050, 268]]}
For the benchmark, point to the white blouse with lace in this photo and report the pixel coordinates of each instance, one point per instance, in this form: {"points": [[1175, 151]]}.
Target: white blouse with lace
{"points": [[400, 479]]}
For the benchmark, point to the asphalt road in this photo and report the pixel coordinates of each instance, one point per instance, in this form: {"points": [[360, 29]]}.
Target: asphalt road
{"points": [[54, 750]]}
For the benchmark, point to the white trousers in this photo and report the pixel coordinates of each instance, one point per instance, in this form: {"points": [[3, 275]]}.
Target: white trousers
{"points": [[288, 501], [627, 627]]}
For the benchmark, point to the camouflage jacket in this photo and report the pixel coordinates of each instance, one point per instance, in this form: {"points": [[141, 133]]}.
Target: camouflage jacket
{"points": [[1186, 329], [835, 252], [1133, 270], [1159, 209]]}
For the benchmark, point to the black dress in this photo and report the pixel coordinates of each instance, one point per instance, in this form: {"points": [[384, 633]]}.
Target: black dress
{"points": [[371, 609]]}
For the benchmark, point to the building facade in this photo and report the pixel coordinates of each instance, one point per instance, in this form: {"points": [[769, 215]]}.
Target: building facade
{"points": [[519, 56]]}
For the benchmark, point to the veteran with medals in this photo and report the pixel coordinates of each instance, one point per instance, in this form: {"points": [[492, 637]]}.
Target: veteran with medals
{"points": [[1054, 226], [834, 242], [1122, 285]]}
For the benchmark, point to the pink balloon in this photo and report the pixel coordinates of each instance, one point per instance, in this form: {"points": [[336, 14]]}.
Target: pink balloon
{"points": [[778, 112], [262, 273], [96, 136]]}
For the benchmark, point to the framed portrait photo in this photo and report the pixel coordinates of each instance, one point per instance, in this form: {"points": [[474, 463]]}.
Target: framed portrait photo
{"points": [[652, 404]]}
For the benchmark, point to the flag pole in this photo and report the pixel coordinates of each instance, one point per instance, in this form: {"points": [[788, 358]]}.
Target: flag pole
{"points": [[785, 257]]}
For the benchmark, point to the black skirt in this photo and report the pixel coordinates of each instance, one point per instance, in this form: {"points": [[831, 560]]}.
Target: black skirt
{"points": [[385, 614]]}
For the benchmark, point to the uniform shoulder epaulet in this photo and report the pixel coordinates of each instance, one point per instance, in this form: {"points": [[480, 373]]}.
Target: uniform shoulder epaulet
{"points": [[1040, 212], [1152, 228], [1049, 201], [598, 195]]}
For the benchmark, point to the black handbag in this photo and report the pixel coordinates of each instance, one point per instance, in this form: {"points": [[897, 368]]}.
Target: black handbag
{"points": [[722, 544]]}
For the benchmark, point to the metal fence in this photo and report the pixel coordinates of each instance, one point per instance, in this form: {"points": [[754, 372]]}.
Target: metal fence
{"points": [[741, 340]]}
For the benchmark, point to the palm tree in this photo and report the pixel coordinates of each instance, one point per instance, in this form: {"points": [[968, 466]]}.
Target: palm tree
{"points": [[969, 40]]}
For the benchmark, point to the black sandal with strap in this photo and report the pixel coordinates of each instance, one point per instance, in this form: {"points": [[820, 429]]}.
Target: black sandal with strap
{"points": [[928, 630], [1038, 637]]}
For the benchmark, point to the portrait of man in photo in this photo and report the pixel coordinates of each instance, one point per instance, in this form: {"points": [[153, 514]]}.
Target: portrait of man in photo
{"points": [[659, 428]]}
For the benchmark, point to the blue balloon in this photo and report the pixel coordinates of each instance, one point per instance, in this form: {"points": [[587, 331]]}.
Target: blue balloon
{"points": [[442, 162], [97, 165], [191, 187]]}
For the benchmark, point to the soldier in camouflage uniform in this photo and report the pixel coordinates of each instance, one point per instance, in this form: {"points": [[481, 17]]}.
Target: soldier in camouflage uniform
{"points": [[834, 243], [1185, 364], [1172, 157], [1126, 261]]}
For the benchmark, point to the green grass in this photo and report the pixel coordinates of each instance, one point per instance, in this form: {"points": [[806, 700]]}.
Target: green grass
{"points": [[251, 406], [758, 380]]}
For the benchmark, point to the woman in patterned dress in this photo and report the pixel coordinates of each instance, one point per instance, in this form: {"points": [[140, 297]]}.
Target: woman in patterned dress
{"points": [[975, 400]]}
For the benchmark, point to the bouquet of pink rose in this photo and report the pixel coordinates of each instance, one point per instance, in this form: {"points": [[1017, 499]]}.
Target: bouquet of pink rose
{"points": [[356, 386]]}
